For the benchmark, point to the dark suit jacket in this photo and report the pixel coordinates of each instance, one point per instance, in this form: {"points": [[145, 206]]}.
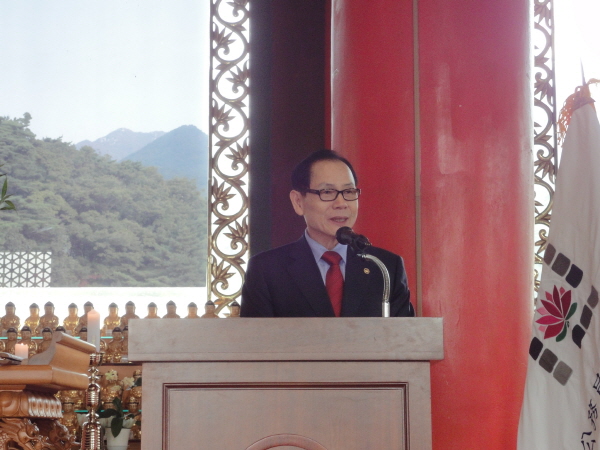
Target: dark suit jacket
{"points": [[286, 282]]}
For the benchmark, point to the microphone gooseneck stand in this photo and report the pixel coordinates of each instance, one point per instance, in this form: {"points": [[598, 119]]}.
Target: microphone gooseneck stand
{"points": [[386, 282], [346, 236]]}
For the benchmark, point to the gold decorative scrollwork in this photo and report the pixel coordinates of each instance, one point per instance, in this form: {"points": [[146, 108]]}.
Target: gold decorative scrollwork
{"points": [[229, 150], [545, 130]]}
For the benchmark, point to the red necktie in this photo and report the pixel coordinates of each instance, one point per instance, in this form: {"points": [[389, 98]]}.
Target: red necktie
{"points": [[334, 281]]}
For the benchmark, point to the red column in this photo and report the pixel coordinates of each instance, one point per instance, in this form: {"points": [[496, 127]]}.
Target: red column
{"points": [[463, 218], [373, 116]]}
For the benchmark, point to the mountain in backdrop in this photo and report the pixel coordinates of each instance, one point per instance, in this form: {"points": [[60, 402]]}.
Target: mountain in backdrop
{"points": [[182, 152], [121, 143]]}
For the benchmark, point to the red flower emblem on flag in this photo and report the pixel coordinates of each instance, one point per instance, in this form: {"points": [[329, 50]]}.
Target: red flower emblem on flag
{"points": [[555, 312]]}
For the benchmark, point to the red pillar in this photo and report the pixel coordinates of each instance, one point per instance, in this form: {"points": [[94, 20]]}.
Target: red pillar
{"points": [[372, 115], [453, 194]]}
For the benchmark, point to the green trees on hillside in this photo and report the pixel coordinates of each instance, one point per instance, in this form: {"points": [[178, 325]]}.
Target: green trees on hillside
{"points": [[5, 203], [106, 223]]}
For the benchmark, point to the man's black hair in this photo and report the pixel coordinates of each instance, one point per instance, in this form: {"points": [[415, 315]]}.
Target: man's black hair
{"points": [[301, 173]]}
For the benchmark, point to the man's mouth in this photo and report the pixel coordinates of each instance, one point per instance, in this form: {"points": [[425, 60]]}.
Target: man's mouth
{"points": [[339, 219]]}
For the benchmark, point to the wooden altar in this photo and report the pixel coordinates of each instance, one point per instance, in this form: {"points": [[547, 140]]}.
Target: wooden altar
{"points": [[29, 411], [314, 383]]}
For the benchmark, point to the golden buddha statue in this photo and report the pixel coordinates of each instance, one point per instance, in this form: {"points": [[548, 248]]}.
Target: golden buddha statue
{"points": [[209, 311], [192, 311], [34, 317], [136, 430], [125, 342], [152, 311], [171, 311], [46, 340], [10, 320], [234, 310], [69, 418], [71, 321], [48, 320], [112, 321], [87, 307], [111, 389], [26, 339], [136, 390], [83, 334], [11, 340], [129, 314], [114, 348], [77, 398]]}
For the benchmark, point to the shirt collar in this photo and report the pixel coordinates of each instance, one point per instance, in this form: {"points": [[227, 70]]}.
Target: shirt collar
{"points": [[319, 249]]}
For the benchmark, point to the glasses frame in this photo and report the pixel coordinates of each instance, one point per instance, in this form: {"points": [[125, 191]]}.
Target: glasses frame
{"points": [[318, 192]]}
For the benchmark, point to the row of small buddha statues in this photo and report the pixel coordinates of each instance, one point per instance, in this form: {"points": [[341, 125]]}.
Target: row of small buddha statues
{"points": [[128, 390], [74, 323], [114, 348]]}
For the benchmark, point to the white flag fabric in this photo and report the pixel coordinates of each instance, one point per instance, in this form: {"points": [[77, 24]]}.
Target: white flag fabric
{"points": [[562, 392]]}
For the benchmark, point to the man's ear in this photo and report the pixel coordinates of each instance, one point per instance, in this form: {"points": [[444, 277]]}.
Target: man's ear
{"points": [[296, 199]]}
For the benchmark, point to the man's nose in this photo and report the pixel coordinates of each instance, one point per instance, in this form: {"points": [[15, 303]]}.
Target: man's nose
{"points": [[340, 202]]}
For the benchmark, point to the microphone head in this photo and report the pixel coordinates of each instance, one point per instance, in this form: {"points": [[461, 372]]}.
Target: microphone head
{"points": [[361, 242], [344, 235]]}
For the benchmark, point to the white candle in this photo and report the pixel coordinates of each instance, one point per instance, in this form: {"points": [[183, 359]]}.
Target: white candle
{"points": [[93, 326], [22, 351]]}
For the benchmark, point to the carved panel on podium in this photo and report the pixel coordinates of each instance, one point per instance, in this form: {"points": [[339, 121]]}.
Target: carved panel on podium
{"points": [[285, 440], [325, 413]]}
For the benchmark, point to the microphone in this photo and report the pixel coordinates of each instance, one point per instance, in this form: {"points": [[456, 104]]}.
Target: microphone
{"points": [[346, 236]]}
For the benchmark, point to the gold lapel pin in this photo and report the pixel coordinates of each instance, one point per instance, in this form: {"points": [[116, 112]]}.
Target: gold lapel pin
{"points": [[366, 270]]}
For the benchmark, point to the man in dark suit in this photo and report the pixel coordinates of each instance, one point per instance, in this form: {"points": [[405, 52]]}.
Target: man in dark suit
{"points": [[296, 280]]}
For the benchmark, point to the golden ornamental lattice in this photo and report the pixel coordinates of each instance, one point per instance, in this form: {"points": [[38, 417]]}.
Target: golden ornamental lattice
{"points": [[545, 130], [229, 150]]}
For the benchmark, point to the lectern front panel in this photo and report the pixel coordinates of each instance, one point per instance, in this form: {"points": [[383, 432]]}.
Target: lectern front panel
{"points": [[339, 405], [338, 417]]}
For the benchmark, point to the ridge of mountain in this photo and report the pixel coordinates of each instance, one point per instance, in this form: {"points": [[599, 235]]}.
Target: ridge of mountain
{"points": [[121, 142], [182, 152]]}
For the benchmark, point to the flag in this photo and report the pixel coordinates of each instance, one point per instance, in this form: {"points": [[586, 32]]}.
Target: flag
{"points": [[562, 391]]}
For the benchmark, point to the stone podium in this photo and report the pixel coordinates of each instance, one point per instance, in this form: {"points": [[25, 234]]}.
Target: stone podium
{"points": [[310, 383]]}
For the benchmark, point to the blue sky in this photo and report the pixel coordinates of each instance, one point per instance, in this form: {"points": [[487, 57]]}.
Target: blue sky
{"points": [[85, 68]]}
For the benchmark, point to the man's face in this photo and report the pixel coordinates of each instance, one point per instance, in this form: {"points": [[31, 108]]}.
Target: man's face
{"points": [[26, 334], [47, 336], [10, 310], [117, 335], [72, 311], [129, 309], [34, 311], [49, 309], [193, 311], [87, 308], [323, 219], [12, 336], [112, 310]]}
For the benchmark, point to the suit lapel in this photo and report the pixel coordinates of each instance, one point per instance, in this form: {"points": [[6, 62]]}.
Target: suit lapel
{"points": [[356, 284], [305, 273]]}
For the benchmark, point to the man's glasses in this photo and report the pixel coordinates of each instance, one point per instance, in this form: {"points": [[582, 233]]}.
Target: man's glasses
{"points": [[329, 195]]}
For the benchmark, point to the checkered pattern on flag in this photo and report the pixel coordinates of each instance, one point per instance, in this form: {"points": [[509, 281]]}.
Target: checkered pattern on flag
{"points": [[562, 392]]}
